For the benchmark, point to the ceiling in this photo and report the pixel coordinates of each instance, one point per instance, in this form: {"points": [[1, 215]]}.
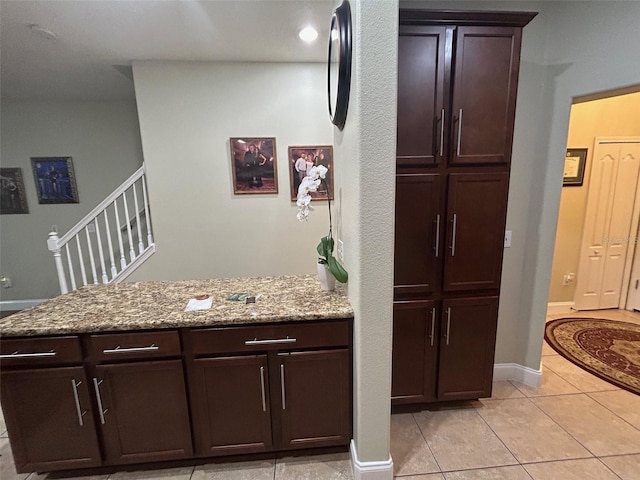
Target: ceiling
{"points": [[96, 40]]}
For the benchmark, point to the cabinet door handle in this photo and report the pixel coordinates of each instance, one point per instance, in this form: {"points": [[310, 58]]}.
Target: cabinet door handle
{"points": [[29, 355], [264, 401], [101, 410], [284, 402], [79, 411], [437, 247], [270, 341], [442, 132], [453, 235], [151, 348], [448, 324], [433, 324], [459, 131]]}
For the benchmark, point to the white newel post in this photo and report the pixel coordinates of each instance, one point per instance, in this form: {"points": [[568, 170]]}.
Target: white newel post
{"points": [[52, 243]]}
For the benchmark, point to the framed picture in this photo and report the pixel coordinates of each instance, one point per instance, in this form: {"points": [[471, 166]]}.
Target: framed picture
{"points": [[55, 179], [253, 163], [574, 166], [301, 159], [13, 197]]}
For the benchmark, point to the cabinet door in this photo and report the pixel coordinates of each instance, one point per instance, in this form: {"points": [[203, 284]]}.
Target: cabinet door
{"points": [[421, 116], [315, 398], [415, 351], [484, 94], [418, 236], [230, 404], [476, 213], [467, 343], [49, 419], [145, 416]]}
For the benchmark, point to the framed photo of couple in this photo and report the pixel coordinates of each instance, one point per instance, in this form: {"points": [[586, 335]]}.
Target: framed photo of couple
{"points": [[302, 159]]}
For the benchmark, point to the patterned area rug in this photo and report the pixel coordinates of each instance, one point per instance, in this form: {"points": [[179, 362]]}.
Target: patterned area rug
{"points": [[606, 348]]}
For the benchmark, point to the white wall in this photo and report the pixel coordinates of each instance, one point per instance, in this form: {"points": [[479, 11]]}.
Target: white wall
{"points": [[188, 111], [366, 148], [103, 140]]}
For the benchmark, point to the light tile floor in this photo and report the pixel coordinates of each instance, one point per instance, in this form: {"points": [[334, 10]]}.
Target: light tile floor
{"points": [[574, 426]]}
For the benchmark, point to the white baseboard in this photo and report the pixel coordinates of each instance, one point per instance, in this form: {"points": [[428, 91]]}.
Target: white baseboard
{"points": [[555, 308], [518, 373], [14, 305], [382, 470]]}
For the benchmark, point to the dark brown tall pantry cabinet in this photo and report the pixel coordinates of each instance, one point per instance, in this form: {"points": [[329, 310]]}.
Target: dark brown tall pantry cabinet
{"points": [[457, 82]]}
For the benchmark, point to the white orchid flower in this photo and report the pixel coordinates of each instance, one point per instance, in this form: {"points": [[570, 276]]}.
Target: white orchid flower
{"points": [[303, 200], [319, 171], [307, 185]]}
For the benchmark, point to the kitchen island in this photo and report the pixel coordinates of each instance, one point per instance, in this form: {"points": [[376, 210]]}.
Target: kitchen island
{"points": [[120, 374]]}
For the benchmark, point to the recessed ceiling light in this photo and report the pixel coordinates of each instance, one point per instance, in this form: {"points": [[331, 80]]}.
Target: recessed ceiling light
{"points": [[308, 34], [42, 32]]}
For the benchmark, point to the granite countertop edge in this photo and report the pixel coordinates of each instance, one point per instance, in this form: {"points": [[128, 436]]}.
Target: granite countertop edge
{"points": [[160, 305]]}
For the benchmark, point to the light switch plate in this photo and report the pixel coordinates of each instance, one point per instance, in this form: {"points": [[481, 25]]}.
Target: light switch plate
{"points": [[340, 250], [507, 239]]}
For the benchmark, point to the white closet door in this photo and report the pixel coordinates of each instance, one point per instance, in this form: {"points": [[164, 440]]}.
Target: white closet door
{"points": [[607, 228]]}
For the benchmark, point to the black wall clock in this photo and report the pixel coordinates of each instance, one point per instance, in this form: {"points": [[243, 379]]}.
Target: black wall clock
{"points": [[339, 64]]}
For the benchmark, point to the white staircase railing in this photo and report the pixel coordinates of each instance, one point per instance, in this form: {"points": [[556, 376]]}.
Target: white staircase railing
{"points": [[79, 253]]}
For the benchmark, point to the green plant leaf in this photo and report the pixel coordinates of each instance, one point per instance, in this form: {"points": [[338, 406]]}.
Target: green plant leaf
{"points": [[325, 247], [337, 270]]}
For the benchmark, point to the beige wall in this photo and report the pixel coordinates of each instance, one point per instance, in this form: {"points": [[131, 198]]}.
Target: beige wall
{"points": [[188, 111], [366, 149], [103, 140], [617, 116]]}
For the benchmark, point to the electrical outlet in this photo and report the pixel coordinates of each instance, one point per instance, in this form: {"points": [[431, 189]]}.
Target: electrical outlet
{"points": [[507, 239], [340, 250]]}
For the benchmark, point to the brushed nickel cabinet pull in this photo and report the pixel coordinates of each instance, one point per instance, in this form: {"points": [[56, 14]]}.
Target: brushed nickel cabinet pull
{"points": [[448, 323], [442, 132], [79, 411], [255, 341], [101, 410], [16, 354], [284, 402], [437, 247], [264, 401], [453, 235], [433, 324], [151, 348], [459, 131]]}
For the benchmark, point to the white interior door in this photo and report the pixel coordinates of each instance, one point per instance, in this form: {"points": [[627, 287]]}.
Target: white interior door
{"points": [[607, 228], [633, 298]]}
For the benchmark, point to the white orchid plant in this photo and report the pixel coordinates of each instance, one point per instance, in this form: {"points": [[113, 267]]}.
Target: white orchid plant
{"points": [[314, 179]]}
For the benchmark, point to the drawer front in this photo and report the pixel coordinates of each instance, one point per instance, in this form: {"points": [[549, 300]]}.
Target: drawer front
{"points": [[135, 345], [37, 351], [270, 337]]}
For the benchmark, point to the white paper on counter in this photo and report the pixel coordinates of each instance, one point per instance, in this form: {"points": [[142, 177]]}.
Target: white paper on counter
{"points": [[195, 304]]}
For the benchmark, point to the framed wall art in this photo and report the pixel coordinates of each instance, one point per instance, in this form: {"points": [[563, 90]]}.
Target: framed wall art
{"points": [[574, 163], [253, 163], [301, 159], [13, 196], [55, 179]]}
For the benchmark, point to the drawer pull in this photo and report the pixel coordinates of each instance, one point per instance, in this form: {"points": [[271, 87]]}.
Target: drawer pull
{"points": [[284, 400], [15, 354], [151, 348], [264, 402], [101, 410], [255, 341], [79, 411]]}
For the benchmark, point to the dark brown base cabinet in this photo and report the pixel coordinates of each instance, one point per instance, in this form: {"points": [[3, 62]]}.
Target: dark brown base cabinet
{"points": [[292, 391], [85, 401], [457, 85], [443, 350]]}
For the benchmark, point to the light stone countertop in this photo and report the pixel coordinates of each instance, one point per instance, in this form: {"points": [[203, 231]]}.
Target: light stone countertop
{"points": [[158, 305]]}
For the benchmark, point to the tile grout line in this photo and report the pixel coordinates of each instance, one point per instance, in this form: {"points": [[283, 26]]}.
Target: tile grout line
{"points": [[614, 413], [427, 443]]}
